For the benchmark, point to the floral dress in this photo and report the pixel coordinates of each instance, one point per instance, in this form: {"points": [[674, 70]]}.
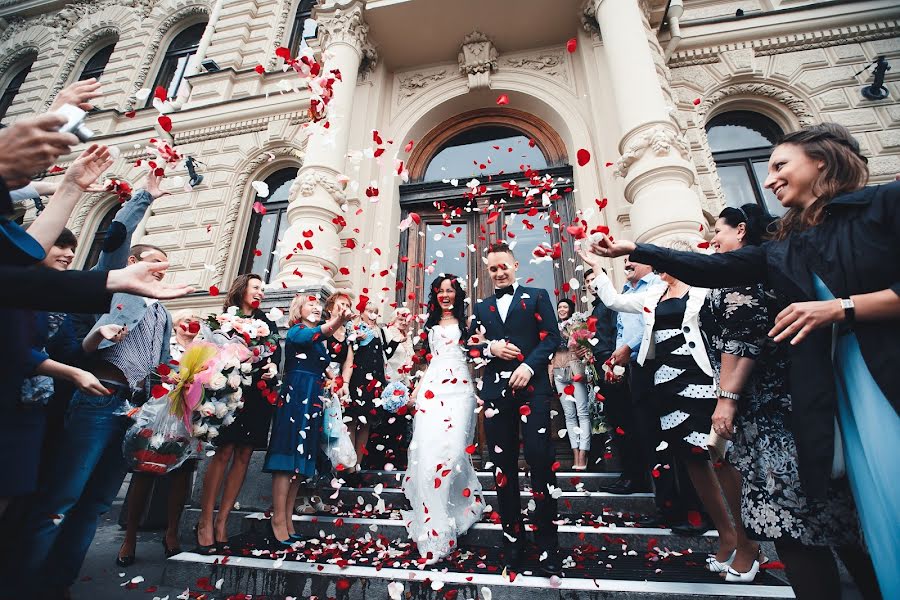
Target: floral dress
{"points": [[736, 321]]}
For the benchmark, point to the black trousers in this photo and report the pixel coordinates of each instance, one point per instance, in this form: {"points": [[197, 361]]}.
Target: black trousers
{"points": [[502, 431], [620, 416], [672, 488]]}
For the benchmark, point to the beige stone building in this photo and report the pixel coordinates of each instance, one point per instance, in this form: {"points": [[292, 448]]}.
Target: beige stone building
{"points": [[677, 102]]}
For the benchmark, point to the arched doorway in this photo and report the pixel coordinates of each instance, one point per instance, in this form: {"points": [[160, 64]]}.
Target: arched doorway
{"points": [[510, 154]]}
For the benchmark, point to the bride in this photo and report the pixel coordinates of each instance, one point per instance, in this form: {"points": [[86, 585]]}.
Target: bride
{"points": [[441, 484]]}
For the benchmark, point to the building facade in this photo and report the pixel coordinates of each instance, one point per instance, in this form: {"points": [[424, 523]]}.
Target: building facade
{"points": [[676, 104]]}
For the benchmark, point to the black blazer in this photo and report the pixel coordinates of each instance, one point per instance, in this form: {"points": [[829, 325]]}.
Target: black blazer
{"points": [[530, 324], [856, 250], [606, 331]]}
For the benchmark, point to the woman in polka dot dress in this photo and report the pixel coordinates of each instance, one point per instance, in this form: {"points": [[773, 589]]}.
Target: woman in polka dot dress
{"points": [[684, 391]]}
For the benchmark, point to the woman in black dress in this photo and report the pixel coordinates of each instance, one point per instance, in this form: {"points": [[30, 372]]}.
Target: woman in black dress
{"points": [[367, 380], [684, 390], [250, 429]]}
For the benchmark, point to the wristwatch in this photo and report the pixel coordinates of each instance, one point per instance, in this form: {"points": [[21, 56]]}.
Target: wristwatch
{"points": [[849, 310], [730, 395]]}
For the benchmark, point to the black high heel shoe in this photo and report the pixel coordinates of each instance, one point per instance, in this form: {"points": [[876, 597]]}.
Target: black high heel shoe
{"points": [[201, 549], [169, 552], [275, 542], [124, 561]]}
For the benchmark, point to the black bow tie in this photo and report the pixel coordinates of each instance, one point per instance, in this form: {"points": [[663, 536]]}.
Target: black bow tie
{"points": [[500, 292]]}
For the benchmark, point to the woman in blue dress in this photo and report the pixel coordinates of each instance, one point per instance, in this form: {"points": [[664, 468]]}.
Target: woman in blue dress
{"points": [[297, 424], [835, 263]]}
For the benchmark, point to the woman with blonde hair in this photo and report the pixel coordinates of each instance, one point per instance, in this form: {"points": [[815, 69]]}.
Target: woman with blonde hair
{"points": [[297, 424], [835, 263]]}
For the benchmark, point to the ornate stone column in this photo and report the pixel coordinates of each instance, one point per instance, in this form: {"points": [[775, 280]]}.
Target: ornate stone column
{"points": [[655, 161], [312, 240]]}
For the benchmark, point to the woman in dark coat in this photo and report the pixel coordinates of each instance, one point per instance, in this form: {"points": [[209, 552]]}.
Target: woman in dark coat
{"points": [[838, 240], [250, 429]]}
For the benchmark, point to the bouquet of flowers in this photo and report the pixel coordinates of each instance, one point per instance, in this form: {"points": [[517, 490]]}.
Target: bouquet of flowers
{"points": [[580, 329], [218, 390], [159, 441], [394, 397]]}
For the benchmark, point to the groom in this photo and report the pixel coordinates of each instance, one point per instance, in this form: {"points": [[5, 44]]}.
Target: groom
{"points": [[515, 332]]}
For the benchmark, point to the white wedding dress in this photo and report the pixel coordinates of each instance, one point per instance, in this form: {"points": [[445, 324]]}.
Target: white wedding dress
{"points": [[441, 484]]}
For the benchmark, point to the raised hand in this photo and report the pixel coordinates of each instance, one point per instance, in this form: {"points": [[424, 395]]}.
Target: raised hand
{"points": [[78, 94], [153, 185], [140, 279], [603, 245], [31, 146], [88, 168]]}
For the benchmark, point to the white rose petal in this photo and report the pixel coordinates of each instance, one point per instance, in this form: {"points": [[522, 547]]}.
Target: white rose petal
{"points": [[261, 187]]}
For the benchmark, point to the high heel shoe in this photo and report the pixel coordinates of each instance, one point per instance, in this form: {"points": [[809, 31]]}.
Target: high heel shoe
{"points": [[169, 552], [201, 549], [732, 576], [124, 561], [276, 542], [715, 566]]}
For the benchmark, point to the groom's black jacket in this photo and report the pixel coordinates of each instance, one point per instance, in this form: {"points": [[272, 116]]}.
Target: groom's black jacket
{"points": [[530, 324]]}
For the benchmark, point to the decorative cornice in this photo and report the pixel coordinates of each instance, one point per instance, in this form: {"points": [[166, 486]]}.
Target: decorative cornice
{"points": [[792, 102], [228, 129], [17, 55], [153, 47], [660, 139], [835, 36], [65, 19], [226, 243], [477, 59], [348, 27]]}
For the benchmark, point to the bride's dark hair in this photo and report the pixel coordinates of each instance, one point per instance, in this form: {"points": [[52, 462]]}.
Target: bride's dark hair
{"points": [[434, 308]]}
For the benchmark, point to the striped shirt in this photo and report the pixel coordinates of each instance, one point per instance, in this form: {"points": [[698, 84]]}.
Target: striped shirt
{"points": [[139, 353]]}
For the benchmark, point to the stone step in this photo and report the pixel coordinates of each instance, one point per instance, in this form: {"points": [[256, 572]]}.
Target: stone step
{"points": [[487, 533], [570, 502], [363, 566], [567, 480]]}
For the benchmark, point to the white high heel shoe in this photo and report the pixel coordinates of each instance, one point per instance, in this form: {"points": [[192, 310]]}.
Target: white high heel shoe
{"points": [[720, 567], [733, 576]]}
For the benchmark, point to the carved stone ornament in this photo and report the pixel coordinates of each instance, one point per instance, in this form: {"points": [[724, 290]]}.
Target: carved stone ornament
{"points": [[226, 242], [589, 18], [307, 182], [348, 27], [477, 59], [659, 139], [551, 62], [792, 102], [413, 83]]}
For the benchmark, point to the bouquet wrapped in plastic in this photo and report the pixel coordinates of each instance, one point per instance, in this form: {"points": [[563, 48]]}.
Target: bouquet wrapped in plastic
{"points": [[336, 442], [216, 393], [394, 397], [159, 441]]}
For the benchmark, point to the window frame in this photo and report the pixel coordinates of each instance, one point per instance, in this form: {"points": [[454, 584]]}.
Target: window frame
{"points": [[254, 226], [92, 54], [20, 69], [99, 238], [746, 158], [172, 56], [301, 14]]}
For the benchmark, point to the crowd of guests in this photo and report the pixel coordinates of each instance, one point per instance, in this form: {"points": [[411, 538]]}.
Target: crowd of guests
{"points": [[753, 390]]}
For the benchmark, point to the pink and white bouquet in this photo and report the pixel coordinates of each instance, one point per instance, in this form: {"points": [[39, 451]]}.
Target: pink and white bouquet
{"points": [[221, 394], [230, 326], [580, 330]]}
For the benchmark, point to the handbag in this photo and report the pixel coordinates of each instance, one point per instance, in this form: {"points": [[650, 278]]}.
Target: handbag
{"points": [[563, 374]]}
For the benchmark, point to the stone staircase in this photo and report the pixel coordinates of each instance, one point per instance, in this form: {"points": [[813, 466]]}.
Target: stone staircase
{"points": [[359, 548]]}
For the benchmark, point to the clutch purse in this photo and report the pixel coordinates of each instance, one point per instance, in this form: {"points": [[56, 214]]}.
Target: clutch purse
{"points": [[716, 445]]}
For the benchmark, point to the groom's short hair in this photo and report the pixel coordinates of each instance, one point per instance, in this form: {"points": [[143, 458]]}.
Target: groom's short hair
{"points": [[500, 247]]}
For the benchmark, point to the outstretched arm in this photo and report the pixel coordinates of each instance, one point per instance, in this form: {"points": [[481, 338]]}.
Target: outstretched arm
{"points": [[746, 266]]}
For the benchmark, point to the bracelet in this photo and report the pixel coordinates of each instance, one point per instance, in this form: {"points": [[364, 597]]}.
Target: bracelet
{"points": [[729, 395]]}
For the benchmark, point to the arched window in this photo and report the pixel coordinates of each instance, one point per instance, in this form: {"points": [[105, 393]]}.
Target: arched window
{"points": [[741, 142], [95, 66], [486, 150], [176, 59], [266, 229], [304, 27], [12, 88], [100, 237]]}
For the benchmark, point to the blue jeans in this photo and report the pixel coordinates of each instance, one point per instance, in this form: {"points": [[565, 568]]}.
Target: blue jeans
{"points": [[82, 481]]}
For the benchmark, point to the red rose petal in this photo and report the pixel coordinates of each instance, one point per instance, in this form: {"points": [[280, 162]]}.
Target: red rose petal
{"points": [[584, 157], [213, 290], [524, 410], [502, 100], [572, 45], [165, 122], [259, 69], [696, 101]]}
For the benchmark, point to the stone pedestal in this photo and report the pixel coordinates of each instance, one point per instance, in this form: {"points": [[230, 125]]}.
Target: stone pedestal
{"points": [[655, 161]]}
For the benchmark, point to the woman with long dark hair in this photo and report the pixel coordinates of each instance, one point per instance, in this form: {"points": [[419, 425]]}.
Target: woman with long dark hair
{"points": [[441, 483], [835, 263], [250, 429]]}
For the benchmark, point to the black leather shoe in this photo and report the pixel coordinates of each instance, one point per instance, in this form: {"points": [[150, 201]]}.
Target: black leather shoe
{"points": [[621, 486], [551, 565], [687, 529], [650, 521], [513, 554]]}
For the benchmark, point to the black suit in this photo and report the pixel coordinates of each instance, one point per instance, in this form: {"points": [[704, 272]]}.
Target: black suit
{"points": [[531, 326]]}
